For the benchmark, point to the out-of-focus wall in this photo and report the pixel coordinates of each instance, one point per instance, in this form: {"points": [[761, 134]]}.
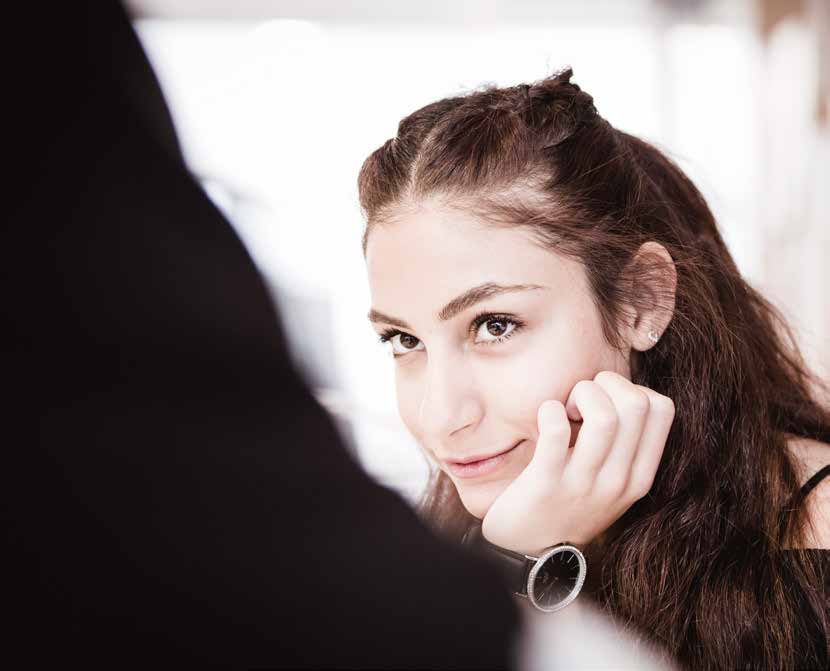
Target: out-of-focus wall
{"points": [[278, 108], [795, 188]]}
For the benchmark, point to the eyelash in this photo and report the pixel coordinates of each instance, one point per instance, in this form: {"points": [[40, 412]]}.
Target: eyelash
{"points": [[475, 324]]}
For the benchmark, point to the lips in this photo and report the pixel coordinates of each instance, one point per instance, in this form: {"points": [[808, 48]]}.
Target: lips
{"points": [[472, 460], [476, 467]]}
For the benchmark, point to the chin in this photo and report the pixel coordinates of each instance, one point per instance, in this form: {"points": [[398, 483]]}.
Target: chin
{"points": [[477, 499]]}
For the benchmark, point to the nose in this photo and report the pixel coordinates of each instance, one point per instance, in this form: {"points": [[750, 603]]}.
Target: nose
{"points": [[451, 400]]}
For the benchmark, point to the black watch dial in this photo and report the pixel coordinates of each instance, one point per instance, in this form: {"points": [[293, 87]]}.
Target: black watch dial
{"points": [[557, 578]]}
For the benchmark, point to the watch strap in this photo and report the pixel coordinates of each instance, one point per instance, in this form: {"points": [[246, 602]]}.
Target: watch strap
{"points": [[513, 565]]}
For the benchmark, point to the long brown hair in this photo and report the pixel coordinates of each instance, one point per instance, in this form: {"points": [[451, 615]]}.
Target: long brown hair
{"points": [[699, 565]]}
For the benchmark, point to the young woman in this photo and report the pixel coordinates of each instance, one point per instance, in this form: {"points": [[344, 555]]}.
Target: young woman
{"points": [[578, 354]]}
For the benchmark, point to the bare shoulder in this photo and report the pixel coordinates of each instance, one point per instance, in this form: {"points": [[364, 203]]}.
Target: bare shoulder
{"points": [[810, 457]]}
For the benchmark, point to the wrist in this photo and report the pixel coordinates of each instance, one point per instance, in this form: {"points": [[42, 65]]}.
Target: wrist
{"points": [[550, 579]]}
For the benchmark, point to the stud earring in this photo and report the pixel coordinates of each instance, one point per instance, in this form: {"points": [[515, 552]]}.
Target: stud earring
{"points": [[653, 336]]}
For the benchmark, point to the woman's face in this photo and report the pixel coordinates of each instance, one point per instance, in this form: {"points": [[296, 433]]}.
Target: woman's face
{"points": [[466, 387]]}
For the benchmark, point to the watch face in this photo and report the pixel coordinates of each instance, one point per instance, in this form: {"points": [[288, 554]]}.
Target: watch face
{"points": [[556, 578]]}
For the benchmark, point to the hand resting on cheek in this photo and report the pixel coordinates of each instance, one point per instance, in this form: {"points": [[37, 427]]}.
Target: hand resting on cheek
{"points": [[574, 494]]}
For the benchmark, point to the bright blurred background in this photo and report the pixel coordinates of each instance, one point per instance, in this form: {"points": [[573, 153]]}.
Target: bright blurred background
{"points": [[277, 105]]}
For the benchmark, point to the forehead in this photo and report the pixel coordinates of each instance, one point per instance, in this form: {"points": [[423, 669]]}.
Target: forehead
{"points": [[430, 254]]}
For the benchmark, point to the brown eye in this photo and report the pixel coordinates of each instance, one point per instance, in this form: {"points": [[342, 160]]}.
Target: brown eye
{"points": [[496, 330], [408, 341], [401, 343]]}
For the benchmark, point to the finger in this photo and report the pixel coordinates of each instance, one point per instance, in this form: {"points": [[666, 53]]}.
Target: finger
{"points": [[652, 443], [599, 426], [632, 406], [554, 432]]}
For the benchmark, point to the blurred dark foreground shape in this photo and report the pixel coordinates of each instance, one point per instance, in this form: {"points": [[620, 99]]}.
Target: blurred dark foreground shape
{"points": [[185, 498]]}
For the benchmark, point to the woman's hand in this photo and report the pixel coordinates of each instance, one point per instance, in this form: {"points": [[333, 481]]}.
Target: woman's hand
{"points": [[575, 494]]}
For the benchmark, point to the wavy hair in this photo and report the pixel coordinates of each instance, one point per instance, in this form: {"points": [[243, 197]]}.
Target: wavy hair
{"points": [[703, 565]]}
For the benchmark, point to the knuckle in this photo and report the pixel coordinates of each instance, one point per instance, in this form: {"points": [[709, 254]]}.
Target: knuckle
{"points": [[610, 488], [606, 376], [650, 393], [607, 421], [576, 488], [663, 405], [639, 488], [583, 387], [637, 403]]}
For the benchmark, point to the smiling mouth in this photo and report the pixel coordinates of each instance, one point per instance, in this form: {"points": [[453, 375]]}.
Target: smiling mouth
{"points": [[480, 467], [475, 460]]}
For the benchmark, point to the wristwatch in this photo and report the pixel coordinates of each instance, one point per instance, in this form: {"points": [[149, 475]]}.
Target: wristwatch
{"points": [[550, 581]]}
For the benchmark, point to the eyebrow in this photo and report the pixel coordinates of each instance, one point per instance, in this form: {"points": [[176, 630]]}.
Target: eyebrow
{"points": [[460, 303]]}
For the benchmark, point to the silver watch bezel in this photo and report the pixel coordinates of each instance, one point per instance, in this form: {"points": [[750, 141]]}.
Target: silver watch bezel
{"points": [[540, 561]]}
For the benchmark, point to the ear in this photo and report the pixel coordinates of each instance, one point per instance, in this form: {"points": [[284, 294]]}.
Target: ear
{"points": [[654, 281]]}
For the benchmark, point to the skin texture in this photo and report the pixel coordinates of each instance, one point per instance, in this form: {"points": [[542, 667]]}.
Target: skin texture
{"points": [[463, 394]]}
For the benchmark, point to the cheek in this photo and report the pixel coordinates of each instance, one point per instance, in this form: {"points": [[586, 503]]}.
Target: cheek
{"points": [[548, 366], [549, 370], [409, 404]]}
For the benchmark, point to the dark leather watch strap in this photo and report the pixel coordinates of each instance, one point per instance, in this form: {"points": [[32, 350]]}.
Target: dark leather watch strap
{"points": [[513, 565]]}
